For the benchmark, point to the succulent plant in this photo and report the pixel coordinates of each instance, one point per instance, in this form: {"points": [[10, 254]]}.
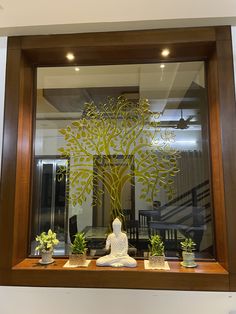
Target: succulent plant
{"points": [[79, 245]]}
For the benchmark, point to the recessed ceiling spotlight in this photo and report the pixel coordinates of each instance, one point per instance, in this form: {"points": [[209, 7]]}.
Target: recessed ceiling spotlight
{"points": [[162, 66], [165, 52], [70, 56], [77, 69]]}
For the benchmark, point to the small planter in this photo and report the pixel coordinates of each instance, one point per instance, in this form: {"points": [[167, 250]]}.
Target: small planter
{"points": [[47, 241], [77, 256], [46, 257], [77, 259], [157, 261], [156, 254], [188, 259]]}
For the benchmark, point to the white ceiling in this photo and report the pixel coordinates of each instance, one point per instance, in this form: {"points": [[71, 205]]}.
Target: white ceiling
{"points": [[162, 87], [157, 84]]}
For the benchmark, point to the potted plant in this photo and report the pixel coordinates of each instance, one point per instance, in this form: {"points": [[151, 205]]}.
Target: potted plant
{"points": [[78, 250], [156, 254], [47, 241], [188, 246]]}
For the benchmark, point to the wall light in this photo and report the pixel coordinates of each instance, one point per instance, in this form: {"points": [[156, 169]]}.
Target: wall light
{"points": [[77, 69], [162, 66], [70, 56], [165, 52]]}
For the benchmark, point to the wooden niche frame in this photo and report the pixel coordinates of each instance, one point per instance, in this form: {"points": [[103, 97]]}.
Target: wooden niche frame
{"points": [[211, 44]]}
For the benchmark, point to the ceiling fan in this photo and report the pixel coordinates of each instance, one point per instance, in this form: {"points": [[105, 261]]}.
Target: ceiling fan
{"points": [[183, 124]]}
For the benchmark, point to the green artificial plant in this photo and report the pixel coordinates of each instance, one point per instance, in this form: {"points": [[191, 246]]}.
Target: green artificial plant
{"points": [[79, 245], [157, 246], [188, 245], [47, 241]]}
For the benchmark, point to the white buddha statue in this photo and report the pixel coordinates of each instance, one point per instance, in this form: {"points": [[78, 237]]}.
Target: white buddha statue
{"points": [[118, 242]]}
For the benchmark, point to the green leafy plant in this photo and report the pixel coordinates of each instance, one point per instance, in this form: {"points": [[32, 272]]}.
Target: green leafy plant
{"points": [[110, 138], [47, 241], [188, 245], [79, 245], [157, 246]]}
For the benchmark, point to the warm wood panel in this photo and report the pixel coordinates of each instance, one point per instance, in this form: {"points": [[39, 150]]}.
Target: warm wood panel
{"points": [[145, 37], [10, 137], [121, 54], [207, 276], [120, 47], [232, 280], [23, 170], [17, 145], [217, 180], [228, 134], [203, 267]]}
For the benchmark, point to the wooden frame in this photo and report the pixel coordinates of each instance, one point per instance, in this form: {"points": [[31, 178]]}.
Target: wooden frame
{"points": [[212, 44]]}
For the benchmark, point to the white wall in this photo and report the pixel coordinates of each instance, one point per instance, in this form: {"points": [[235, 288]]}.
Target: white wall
{"points": [[95, 301], [23, 300], [15, 13], [31, 17]]}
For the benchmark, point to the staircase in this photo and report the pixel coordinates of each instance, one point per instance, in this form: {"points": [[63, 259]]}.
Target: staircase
{"points": [[197, 199]]}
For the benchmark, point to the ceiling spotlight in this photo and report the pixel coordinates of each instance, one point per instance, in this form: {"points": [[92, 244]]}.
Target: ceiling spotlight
{"points": [[77, 69], [165, 52], [70, 56], [162, 66]]}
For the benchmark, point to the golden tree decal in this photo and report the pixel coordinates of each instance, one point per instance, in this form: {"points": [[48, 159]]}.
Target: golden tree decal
{"points": [[106, 132]]}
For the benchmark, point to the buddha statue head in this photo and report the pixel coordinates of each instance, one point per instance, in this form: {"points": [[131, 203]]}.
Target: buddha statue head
{"points": [[116, 225]]}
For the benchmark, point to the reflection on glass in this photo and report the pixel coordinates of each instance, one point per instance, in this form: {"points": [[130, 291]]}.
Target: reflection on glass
{"points": [[146, 161], [46, 198], [49, 200]]}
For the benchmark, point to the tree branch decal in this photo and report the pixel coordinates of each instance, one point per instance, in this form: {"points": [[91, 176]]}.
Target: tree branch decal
{"points": [[108, 131]]}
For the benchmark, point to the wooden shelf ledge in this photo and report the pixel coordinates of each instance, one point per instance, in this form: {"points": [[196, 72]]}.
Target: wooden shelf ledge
{"points": [[175, 267], [206, 276]]}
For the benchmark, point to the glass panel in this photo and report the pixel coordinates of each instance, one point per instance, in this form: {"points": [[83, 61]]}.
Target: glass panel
{"points": [[136, 141], [49, 200], [60, 205], [46, 197]]}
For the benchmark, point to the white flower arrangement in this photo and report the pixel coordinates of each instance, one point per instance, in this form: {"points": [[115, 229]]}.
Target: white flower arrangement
{"points": [[47, 241]]}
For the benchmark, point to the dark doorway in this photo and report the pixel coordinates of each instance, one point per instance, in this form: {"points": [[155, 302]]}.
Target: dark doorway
{"points": [[103, 168]]}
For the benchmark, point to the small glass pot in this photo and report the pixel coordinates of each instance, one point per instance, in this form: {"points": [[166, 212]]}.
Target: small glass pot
{"points": [[188, 259], [77, 259], [46, 257], [157, 261]]}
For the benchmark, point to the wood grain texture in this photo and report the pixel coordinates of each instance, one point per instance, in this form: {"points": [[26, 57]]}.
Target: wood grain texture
{"points": [[120, 47], [23, 169], [207, 276], [128, 38], [228, 131], [9, 160], [232, 282], [175, 266], [217, 175], [119, 55]]}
